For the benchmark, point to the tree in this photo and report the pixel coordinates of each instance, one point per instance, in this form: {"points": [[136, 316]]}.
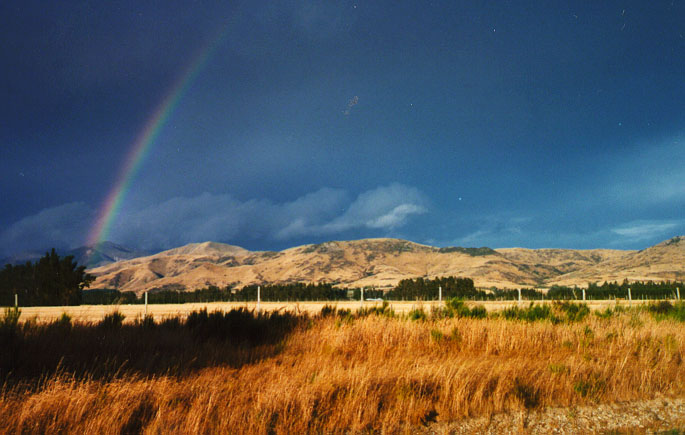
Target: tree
{"points": [[50, 281]]}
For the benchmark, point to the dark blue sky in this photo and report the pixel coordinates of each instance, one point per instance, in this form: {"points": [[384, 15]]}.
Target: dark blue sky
{"points": [[476, 123]]}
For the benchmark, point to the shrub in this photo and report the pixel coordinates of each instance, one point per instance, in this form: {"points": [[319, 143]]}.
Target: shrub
{"points": [[10, 320], [455, 335], [455, 307], [478, 312], [64, 321], [559, 369], [328, 310], [678, 312], [527, 395], [530, 314], [573, 312], [437, 335], [417, 314], [608, 313], [665, 310], [148, 321], [660, 308], [112, 320], [591, 386], [383, 310]]}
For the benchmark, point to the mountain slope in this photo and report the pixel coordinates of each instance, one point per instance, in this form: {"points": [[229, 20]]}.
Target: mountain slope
{"points": [[661, 262], [90, 256], [368, 262], [103, 253]]}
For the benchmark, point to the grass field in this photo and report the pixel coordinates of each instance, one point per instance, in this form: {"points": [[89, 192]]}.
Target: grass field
{"points": [[333, 370], [94, 313]]}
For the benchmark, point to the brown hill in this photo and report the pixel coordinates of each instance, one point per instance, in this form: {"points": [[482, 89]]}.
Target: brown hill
{"points": [[384, 262], [665, 261]]}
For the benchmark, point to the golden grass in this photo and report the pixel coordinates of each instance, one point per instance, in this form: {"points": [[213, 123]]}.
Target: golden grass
{"points": [[94, 313], [374, 374]]}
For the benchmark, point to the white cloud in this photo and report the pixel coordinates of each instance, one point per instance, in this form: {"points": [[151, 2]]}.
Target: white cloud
{"points": [[221, 217], [385, 207], [644, 230], [63, 226]]}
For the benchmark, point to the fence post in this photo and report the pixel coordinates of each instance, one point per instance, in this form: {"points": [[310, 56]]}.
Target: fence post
{"points": [[259, 297], [583, 295], [361, 299], [145, 303], [630, 296], [520, 298], [439, 293], [16, 300], [677, 289]]}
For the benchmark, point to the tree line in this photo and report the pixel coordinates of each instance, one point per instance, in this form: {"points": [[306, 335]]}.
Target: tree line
{"points": [[61, 281], [613, 290], [49, 281]]}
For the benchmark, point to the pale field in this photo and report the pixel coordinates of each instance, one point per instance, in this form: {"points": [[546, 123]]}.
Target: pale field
{"points": [[95, 313]]}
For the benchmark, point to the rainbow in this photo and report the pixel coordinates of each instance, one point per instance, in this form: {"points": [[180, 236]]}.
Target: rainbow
{"points": [[143, 143]]}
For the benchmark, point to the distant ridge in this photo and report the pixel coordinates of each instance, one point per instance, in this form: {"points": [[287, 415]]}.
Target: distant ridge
{"points": [[104, 253], [90, 256], [384, 262], [664, 261]]}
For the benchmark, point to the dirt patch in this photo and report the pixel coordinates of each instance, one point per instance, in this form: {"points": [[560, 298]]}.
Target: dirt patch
{"points": [[647, 416]]}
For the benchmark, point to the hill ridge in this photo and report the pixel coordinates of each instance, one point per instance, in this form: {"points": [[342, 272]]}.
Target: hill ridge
{"points": [[382, 262]]}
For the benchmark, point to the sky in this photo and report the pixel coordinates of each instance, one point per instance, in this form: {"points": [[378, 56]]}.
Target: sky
{"points": [[274, 124]]}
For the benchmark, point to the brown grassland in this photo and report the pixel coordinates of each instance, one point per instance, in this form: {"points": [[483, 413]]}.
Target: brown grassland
{"points": [[240, 372], [94, 313]]}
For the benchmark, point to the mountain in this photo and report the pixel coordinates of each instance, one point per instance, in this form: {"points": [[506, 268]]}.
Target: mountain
{"points": [[384, 262], [103, 253], [662, 262], [90, 256]]}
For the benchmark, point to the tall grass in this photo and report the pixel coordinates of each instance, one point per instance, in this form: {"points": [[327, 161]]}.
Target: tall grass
{"points": [[114, 348], [341, 372]]}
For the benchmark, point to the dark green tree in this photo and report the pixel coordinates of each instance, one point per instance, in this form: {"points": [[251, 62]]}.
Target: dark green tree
{"points": [[50, 281]]}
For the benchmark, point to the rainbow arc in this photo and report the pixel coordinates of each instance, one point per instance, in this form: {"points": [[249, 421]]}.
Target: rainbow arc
{"points": [[144, 142]]}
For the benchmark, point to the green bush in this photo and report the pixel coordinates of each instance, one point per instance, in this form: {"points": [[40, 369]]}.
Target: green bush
{"points": [[660, 308], [478, 312], [532, 313], [383, 310], [573, 312], [665, 310], [437, 335], [417, 314], [608, 313], [455, 307]]}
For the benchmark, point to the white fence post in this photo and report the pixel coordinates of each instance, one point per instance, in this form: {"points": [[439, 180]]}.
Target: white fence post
{"points": [[361, 299], [145, 303], [677, 289], [630, 296], [520, 298], [439, 293], [16, 300], [583, 294]]}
